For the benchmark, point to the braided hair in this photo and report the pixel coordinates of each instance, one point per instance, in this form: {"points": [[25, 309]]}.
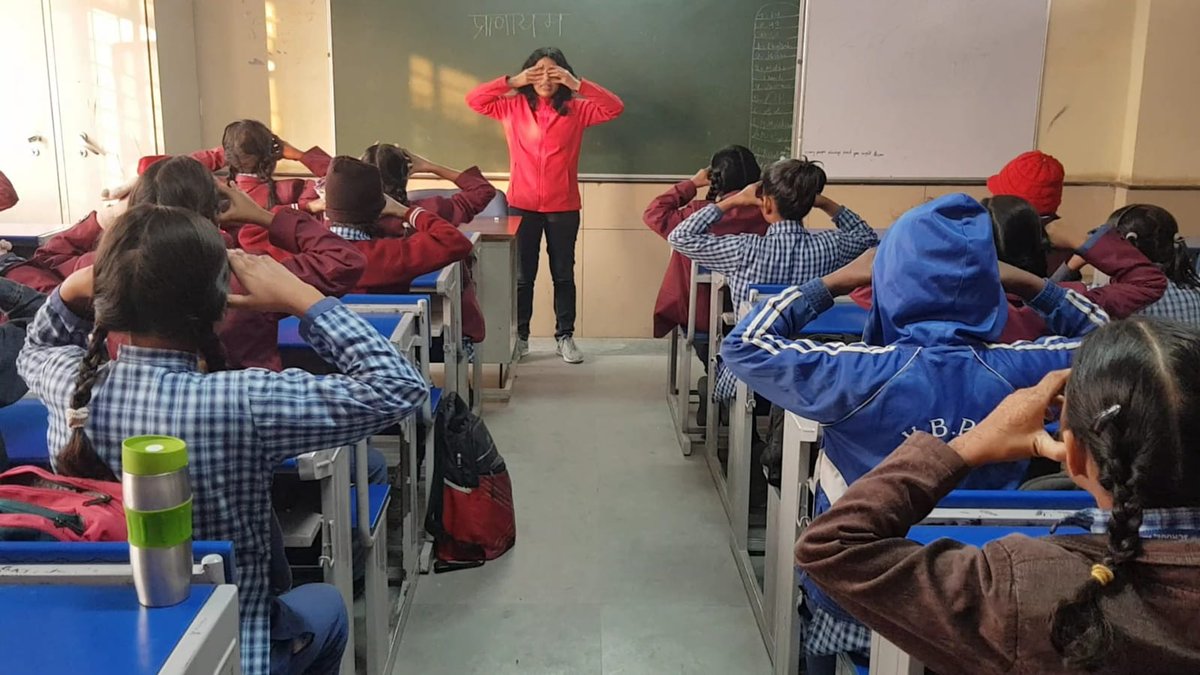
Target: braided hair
{"points": [[161, 271], [251, 148], [732, 168], [794, 184], [1153, 230], [394, 168], [562, 94], [1131, 403]]}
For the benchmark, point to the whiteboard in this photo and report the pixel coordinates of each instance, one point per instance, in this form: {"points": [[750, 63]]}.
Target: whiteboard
{"points": [[920, 89]]}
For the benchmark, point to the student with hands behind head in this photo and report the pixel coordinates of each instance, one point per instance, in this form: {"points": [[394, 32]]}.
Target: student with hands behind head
{"points": [[1120, 599], [162, 277]]}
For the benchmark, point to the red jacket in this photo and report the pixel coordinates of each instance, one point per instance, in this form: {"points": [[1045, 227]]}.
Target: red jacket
{"points": [[288, 191], [543, 146], [8, 195], [662, 216], [393, 262], [474, 194], [1134, 283], [55, 260]]}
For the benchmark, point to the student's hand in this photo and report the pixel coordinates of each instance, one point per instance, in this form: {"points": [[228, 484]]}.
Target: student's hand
{"points": [[118, 191], [703, 177], [747, 197], [827, 205], [77, 291], [853, 276], [1019, 282], [417, 163], [316, 206], [109, 212], [392, 207], [5, 246], [560, 75], [242, 209], [527, 77], [269, 286], [289, 151], [1065, 236], [1016, 429]]}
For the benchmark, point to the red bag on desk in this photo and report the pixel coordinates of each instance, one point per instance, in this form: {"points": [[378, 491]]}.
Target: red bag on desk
{"points": [[471, 517], [36, 505]]}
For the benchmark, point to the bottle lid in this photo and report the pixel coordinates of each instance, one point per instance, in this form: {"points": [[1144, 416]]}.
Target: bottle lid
{"points": [[153, 455]]}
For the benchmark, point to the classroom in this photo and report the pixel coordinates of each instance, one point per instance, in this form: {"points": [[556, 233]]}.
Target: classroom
{"points": [[580, 337]]}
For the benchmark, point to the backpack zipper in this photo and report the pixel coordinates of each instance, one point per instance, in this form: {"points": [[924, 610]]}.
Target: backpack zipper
{"points": [[63, 520], [97, 497]]}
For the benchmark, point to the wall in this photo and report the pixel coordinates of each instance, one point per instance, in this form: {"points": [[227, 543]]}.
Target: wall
{"points": [[1118, 99]]}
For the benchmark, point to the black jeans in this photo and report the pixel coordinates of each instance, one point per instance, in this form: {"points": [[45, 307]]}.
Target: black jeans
{"points": [[562, 229]]}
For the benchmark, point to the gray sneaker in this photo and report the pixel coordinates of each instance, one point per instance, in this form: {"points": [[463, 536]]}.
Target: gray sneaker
{"points": [[568, 350], [522, 348]]}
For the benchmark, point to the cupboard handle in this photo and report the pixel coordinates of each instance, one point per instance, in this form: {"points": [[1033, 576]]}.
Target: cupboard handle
{"points": [[86, 146], [35, 142]]}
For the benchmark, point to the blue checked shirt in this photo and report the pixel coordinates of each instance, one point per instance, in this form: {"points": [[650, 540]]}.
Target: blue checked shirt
{"points": [[1178, 523], [788, 254], [239, 425], [1178, 303]]}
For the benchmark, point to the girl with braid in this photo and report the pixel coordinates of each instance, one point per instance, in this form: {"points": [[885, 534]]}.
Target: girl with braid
{"points": [[162, 276], [731, 169], [1121, 599], [1153, 230]]}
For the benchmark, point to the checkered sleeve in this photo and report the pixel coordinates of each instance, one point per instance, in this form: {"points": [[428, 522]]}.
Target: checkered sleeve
{"points": [[854, 235], [295, 412], [54, 345], [718, 253]]}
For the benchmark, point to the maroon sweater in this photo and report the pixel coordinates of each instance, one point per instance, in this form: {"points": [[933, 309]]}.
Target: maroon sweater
{"points": [[961, 609], [662, 216]]}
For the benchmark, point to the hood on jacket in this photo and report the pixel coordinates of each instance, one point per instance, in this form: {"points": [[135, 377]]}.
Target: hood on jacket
{"points": [[936, 277]]}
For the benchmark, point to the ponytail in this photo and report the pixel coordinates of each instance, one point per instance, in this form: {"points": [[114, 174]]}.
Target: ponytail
{"points": [[79, 458], [732, 168], [212, 351]]}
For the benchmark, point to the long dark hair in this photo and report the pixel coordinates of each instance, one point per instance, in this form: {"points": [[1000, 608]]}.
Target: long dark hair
{"points": [[178, 181], [794, 184], [161, 271], [563, 93], [1153, 230], [1018, 231], [732, 168], [251, 148], [394, 167], [1131, 401]]}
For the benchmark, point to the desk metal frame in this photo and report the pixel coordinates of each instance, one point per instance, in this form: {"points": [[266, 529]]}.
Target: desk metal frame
{"points": [[679, 370], [448, 287]]}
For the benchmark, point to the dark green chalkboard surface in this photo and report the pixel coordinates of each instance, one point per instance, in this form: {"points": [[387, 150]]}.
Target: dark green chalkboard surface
{"points": [[694, 75]]}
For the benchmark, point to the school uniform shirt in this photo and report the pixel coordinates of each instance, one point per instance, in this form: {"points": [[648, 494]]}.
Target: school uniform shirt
{"points": [[1134, 283], [929, 360], [1179, 303], [8, 195], [393, 262], [19, 305], [543, 146], [239, 424], [788, 253], [961, 609], [662, 216]]}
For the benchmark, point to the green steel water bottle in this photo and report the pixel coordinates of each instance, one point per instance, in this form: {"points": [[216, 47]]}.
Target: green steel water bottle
{"points": [[158, 510]]}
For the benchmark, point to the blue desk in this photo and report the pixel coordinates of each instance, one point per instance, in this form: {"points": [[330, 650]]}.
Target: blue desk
{"points": [[289, 329], [845, 317], [103, 629], [24, 425]]}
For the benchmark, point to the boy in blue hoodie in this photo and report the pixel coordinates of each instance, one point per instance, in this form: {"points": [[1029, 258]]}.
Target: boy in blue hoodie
{"points": [[929, 361]]}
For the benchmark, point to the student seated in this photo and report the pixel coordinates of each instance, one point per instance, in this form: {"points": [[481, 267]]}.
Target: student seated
{"points": [[162, 276], [397, 165], [1122, 599], [1153, 230], [789, 253], [1037, 178], [929, 362], [18, 304], [56, 259], [1135, 280], [731, 170], [354, 205]]}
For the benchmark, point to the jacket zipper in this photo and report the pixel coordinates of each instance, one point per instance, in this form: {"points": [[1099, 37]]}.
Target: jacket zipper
{"points": [[97, 497], [63, 520]]}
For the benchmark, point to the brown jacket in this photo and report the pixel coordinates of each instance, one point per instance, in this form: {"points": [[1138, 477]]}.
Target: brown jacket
{"points": [[961, 609]]}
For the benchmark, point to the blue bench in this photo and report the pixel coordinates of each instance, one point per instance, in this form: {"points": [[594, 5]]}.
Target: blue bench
{"points": [[24, 425]]}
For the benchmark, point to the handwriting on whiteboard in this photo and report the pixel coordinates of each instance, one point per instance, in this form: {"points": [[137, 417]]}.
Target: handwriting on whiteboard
{"points": [[773, 80], [814, 154], [550, 24]]}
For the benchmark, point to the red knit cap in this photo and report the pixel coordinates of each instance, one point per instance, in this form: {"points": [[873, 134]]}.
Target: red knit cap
{"points": [[353, 192], [1033, 176]]}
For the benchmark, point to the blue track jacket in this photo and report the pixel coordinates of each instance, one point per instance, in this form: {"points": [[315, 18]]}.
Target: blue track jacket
{"points": [[928, 362]]}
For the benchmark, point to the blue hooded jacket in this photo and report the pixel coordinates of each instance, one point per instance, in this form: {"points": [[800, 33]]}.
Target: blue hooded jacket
{"points": [[928, 362]]}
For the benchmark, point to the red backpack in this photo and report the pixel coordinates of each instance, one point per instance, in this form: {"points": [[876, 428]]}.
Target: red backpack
{"points": [[36, 505]]}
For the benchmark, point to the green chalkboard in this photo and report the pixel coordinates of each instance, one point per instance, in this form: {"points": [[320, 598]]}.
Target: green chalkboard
{"points": [[694, 75]]}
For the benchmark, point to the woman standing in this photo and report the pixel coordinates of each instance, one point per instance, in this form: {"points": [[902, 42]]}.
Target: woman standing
{"points": [[544, 128]]}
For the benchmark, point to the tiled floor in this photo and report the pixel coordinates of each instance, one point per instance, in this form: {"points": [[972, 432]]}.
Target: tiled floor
{"points": [[622, 564]]}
